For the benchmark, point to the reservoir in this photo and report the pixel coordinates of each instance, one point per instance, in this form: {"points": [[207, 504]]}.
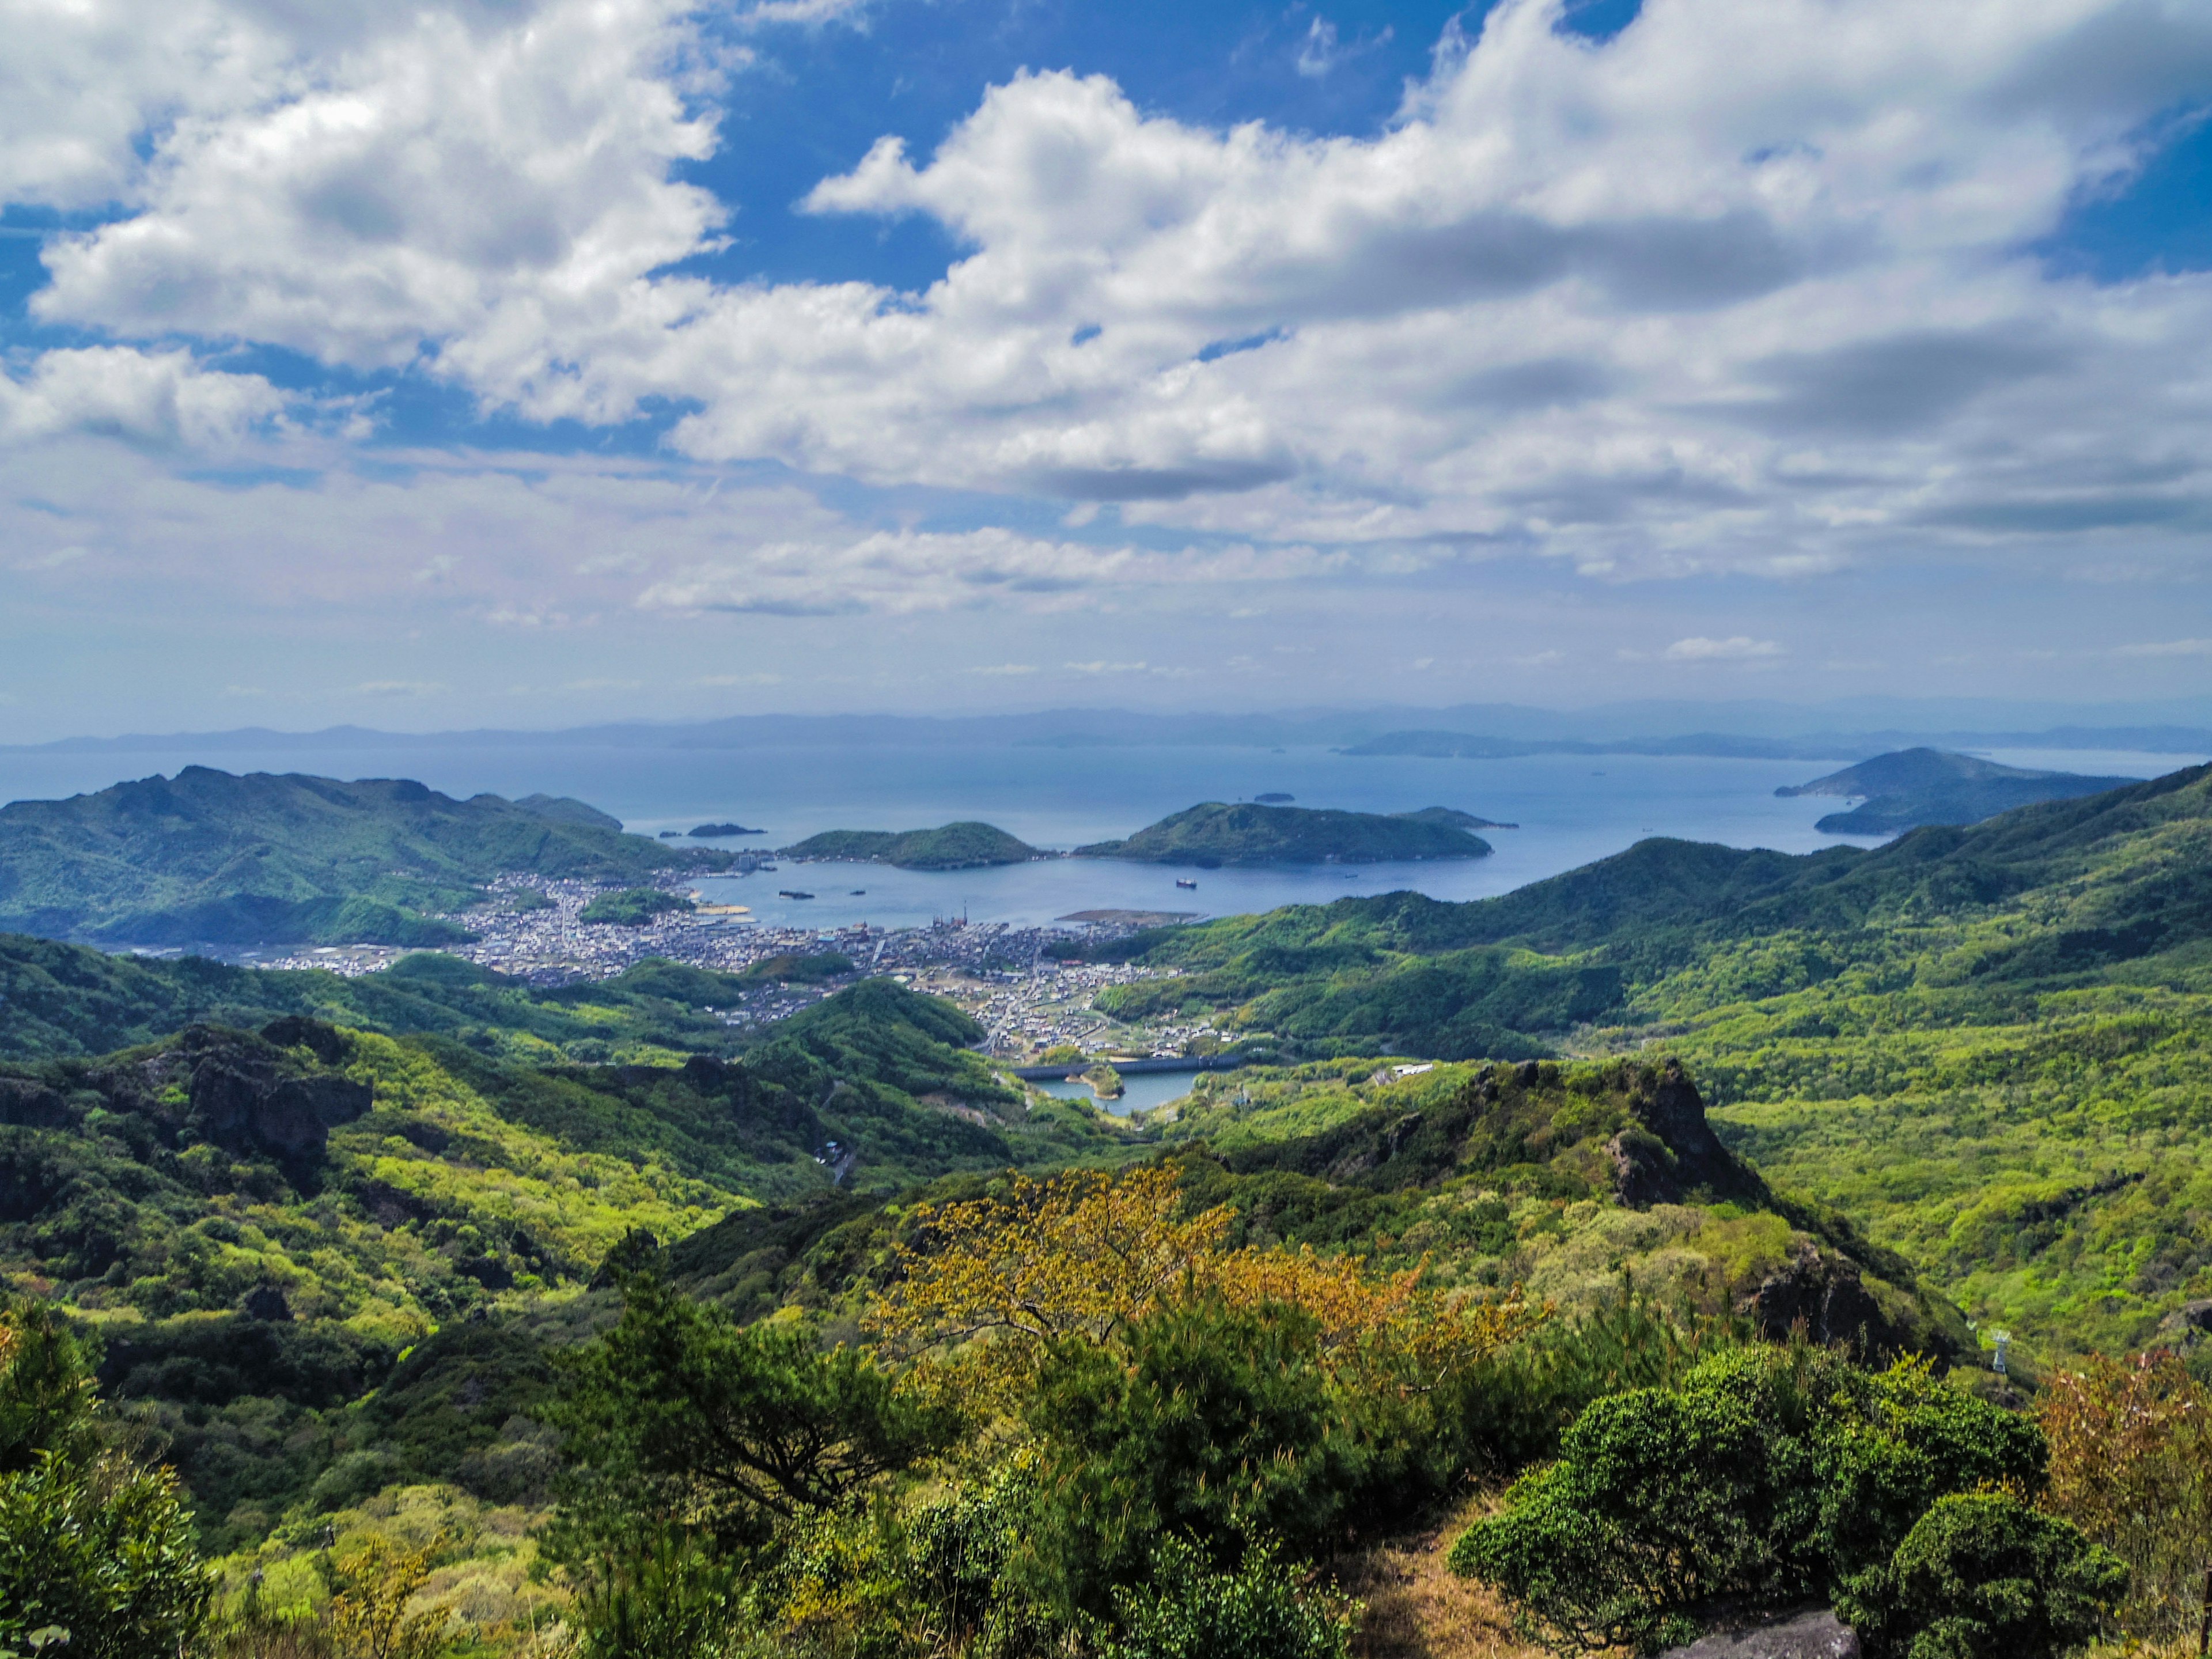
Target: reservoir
{"points": [[1141, 1093]]}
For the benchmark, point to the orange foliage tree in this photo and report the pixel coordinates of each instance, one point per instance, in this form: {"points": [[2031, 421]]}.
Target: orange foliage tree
{"points": [[1082, 1255], [2131, 1466]]}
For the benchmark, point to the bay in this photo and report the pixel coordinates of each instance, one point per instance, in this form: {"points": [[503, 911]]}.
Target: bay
{"points": [[1569, 810]]}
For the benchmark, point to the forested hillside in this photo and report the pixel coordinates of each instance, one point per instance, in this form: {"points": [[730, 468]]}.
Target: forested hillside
{"points": [[208, 858], [1988, 1044]]}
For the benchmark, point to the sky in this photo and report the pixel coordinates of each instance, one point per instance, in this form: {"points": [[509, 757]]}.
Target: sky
{"points": [[531, 362]]}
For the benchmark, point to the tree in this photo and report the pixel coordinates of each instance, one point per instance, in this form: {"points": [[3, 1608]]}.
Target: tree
{"points": [[91, 1543], [1187, 1610], [691, 1414], [1981, 1575], [370, 1588], [1081, 1257], [1766, 1477], [2131, 1467]]}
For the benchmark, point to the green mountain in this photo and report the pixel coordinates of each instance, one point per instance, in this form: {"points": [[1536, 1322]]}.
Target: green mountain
{"points": [[1211, 835], [1933, 785], [962, 845], [263, 1225], [206, 857], [1992, 1045]]}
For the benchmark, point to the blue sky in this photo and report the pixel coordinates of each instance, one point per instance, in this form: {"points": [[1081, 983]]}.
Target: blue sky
{"points": [[531, 361]]}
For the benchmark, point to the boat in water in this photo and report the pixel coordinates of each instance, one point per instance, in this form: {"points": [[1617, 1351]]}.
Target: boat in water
{"points": [[787, 892], [1192, 885]]}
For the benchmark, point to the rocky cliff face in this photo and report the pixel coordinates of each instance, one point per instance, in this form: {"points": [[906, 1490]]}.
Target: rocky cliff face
{"points": [[1670, 1154], [258, 1096]]}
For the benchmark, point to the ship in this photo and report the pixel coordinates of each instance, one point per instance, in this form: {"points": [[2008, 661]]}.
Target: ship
{"points": [[1192, 885], [787, 892]]}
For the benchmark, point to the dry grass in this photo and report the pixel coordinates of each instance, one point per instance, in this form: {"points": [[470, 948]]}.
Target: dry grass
{"points": [[1418, 1609]]}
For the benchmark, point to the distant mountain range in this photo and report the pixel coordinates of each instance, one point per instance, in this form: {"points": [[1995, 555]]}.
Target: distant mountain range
{"points": [[1914, 787], [1849, 729]]}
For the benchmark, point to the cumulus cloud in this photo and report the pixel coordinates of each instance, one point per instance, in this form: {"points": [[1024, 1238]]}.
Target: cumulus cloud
{"points": [[472, 176], [154, 398], [1748, 288]]}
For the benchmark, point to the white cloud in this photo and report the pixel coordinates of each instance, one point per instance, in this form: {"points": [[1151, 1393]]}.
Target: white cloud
{"points": [[2169, 648], [906, 571], [1004, 668], [1746, 288], [156, 398], [1738, 648], [461, 177]]}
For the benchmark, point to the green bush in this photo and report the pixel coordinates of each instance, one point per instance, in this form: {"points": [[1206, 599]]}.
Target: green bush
{"points": [[1205, 1422], [1981, 1575], [1186, 1609], [662, 1594], [1764, 1478], [679, 1409], [90, 1543]]}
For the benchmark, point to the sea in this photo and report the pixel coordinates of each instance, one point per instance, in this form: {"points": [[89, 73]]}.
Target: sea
{"points": [[1566, 810]]}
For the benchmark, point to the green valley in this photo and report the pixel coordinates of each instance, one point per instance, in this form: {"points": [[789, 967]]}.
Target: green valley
{"points": [[1986, 1044]]}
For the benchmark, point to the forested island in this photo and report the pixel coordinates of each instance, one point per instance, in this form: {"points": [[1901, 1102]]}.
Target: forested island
{"points": [[964, 846], [1214, 834], [1933, 785], [208, 858]]}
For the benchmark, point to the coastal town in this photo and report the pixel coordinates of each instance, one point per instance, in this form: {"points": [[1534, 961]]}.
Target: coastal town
{"points": [[1024, 986]]}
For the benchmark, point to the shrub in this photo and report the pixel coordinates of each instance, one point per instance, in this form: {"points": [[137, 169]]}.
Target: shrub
{"points": [[103, 1550], [90, 1543], [1186, 1609], [2131, 1466], [1981, 1575], [1764, 1478], [1209, 1422], [662, 1594]]}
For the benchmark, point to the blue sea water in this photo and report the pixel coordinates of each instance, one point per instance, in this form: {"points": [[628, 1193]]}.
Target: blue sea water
{"points": [[1569, 810]]}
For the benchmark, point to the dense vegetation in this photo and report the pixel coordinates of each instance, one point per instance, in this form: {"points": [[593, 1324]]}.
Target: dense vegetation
{"points": [[464, 1335], [964, 846], [61, 999], [632, 907], [1933, 785], [1988, 1045], [206, 857], [1211, 835]]}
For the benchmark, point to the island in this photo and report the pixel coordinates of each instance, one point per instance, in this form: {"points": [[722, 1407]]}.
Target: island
{"points": [[1914, 786], [1213, 834], [208, 858], [718, 831], [964, 846]]}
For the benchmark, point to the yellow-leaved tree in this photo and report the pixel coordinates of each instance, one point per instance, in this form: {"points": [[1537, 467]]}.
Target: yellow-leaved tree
{"points": [[1080, 1256]]}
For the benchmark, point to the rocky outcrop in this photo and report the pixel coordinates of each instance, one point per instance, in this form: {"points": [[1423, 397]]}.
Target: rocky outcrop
{"points": [[1822, 1291], [1816, 1635], [245, 1094], [246, 1108], [1670, 1153]]}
